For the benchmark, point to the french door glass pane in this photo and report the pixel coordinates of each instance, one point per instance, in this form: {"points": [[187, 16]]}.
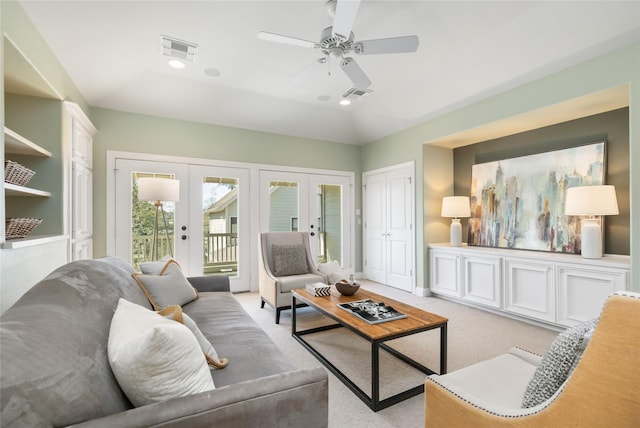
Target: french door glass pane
{"points": [[143, 217], [329, 216], [220, 225], [283, 206]]}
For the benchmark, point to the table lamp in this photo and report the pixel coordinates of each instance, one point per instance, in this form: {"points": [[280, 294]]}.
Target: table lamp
{"points": [[591, 201], [455, 207], [159, 190]]}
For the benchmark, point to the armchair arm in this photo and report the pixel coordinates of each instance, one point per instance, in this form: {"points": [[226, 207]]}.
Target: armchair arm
{"points": [[295, 398], [210, 283]]}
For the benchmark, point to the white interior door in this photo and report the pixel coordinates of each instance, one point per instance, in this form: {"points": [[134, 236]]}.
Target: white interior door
{"points": [[388, 227], [315, 203]]}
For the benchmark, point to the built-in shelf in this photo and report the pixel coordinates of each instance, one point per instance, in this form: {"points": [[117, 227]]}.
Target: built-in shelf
{"points": [[15, 190], [30, 241], [16, 144]]}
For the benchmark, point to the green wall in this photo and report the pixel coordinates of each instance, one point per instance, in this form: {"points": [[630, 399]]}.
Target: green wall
{"points": [[621, 67]]}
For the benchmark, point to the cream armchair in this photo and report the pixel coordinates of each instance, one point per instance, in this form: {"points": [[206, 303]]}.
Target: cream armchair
{"points": [[285, 263], [602, 391]]}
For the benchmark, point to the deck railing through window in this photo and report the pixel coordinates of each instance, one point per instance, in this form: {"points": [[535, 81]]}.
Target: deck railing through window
{"points": [[220, 251]]}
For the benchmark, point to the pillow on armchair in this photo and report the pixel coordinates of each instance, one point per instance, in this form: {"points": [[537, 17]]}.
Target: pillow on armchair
{"points": [[558, 363], [289, 260]]}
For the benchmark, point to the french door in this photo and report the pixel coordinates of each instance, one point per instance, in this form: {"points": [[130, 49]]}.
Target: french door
{"points": [[316, 203], [208, 227]]}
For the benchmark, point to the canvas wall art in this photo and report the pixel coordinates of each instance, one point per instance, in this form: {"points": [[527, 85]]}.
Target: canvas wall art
{"points": [[519, 202]]}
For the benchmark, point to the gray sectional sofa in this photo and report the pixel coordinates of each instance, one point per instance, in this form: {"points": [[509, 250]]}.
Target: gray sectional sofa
{"points": [[55, 370]]}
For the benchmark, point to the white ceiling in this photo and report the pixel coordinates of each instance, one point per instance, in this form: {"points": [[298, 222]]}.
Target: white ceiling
{"points": [[468, 51]]}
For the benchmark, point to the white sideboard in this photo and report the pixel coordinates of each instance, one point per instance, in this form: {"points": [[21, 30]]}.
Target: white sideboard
{"points": [[550, 288]]}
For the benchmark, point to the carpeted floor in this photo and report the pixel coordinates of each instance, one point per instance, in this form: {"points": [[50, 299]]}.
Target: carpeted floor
{"points": [[473, 336]]}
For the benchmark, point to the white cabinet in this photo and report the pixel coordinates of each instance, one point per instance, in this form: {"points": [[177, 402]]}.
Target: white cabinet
{"points": [[79, 143], [555, 289], [482, 280], [530, 289], [582, 290], [444, 273]]}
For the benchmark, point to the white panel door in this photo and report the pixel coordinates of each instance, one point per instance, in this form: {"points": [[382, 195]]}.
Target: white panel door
{"points": [[388, 227]]}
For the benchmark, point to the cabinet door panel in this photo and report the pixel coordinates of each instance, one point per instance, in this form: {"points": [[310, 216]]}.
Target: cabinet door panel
{"points": [[530, 289], [445, 273], [482, 280], [582, 292]]}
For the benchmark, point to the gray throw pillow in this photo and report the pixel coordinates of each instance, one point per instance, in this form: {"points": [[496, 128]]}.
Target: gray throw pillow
{"points": [[557, 363], [289, 260], [168, 288]]}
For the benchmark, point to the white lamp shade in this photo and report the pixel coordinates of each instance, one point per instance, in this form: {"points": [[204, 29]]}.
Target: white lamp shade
{"points": [[591, 200], [158, 189], [455, 206]]}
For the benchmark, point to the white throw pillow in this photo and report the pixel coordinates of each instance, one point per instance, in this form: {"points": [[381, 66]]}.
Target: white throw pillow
{"points": [[153, 358], [333, 271], [168, 288]]}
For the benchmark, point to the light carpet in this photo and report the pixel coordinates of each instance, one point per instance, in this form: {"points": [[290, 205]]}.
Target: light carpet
{"points": [[473, 336]]}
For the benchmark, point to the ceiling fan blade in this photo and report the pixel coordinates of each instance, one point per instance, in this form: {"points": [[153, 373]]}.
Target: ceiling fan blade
{"points": [[386, 46], [346, 11], [308, 71], [355, 73], [278, 38]]}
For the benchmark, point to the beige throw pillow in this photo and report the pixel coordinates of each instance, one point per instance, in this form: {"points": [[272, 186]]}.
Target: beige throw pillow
{"points": [[153, 358], [175, 313], [168, 288]]}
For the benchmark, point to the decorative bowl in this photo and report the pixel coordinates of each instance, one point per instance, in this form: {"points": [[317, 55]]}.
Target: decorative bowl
{"points": [[347, 288]]}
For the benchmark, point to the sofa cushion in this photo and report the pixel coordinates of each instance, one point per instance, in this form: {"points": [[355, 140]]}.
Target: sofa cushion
{"points": [[175, 313], [238, 337], [154, 358], [289, 260], [168, 288], [557, 364]]}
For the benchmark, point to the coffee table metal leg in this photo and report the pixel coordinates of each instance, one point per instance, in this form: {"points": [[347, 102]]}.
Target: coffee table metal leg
{"points": [[375, 376], [443, 349]]}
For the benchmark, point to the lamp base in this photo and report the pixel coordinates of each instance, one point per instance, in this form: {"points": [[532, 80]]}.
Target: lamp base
{"points": [[455, 233], [591, 239]]}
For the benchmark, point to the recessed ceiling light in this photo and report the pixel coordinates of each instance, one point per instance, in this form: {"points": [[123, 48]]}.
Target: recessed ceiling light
{"points": [[345, 102], [211, 72], [324, 98], [176, 64]]}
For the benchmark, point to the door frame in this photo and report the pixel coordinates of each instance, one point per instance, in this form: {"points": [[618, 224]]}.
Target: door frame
{"points": [[254, 185]]}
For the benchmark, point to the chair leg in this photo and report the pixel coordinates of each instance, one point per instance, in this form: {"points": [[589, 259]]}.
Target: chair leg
{"points": [[261, 303], [278, 315]]}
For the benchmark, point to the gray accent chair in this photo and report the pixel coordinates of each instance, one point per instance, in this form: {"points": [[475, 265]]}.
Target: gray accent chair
{"points": [[276, 290]]}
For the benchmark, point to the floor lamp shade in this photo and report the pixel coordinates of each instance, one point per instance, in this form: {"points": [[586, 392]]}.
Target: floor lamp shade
{"points": [[455, 207], [592, 201], [159, 190]]}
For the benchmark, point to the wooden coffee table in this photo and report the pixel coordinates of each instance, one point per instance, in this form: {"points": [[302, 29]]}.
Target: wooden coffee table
{"points": [[416, 321]]}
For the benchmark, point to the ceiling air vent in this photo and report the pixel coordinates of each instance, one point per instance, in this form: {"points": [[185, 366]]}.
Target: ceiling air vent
{"points": [[176, 48], [355, 93]]}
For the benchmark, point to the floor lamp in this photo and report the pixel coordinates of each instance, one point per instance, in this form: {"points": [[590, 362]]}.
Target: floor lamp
{"points": [[592, 201], [159, 190], [455, 207]]}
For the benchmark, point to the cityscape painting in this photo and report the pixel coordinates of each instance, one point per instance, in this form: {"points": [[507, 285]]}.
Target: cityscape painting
{"points": [[519, 202]]}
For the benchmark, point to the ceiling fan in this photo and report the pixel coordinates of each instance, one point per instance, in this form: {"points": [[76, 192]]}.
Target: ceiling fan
{"points": [[337, 42]]}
